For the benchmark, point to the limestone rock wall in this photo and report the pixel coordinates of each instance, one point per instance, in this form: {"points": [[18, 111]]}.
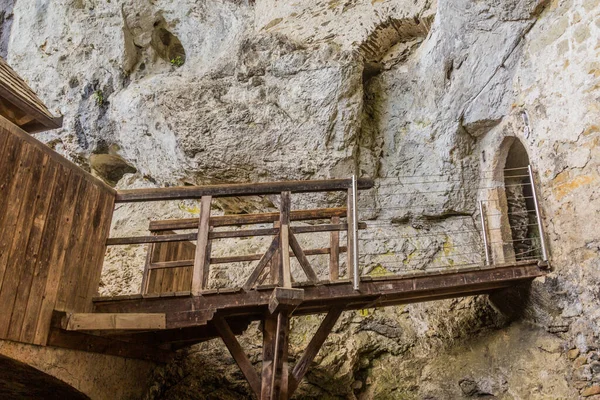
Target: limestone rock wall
{"points": [[163, 92]]}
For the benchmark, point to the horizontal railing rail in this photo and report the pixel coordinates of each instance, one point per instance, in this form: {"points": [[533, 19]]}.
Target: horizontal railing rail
{"points": [[237, 190]]}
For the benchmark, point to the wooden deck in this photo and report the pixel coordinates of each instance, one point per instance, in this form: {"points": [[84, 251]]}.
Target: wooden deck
{"points": [[149, 326]]}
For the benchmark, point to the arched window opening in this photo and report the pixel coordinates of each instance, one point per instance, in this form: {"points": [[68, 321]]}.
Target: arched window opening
{"points": [[520, 203]]}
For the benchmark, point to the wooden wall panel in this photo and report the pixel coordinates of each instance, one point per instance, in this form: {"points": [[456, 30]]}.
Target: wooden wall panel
{"points": [[54, 221], [171, 279]]}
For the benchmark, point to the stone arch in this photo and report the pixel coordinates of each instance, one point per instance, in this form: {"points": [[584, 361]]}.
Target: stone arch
{"points": [[20, 381], [511, 209]]}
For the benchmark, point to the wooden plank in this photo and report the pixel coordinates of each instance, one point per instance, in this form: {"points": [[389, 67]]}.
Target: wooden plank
{"points": [[167, 279], [313, 348], [103, 321], [324, 228], [110, 346], [235, 190], [247, 219], [269, 332], [284, 231], [42, 264], [156, 277], [147, 268], [102, 224], [244, 233], [185, 237], [279, 379], [39, 215], [334, 255], [67, 298], [86, 263], [350, 236], [262, 264], [16, 230], [238, 354], [10, 165], [275, 264], [304, 263], [201, 267], [3, 140], [178, 320], [24, 137], [57, 258]]}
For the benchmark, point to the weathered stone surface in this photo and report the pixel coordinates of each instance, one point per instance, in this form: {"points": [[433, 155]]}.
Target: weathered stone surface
{"points": [[293, 90]]}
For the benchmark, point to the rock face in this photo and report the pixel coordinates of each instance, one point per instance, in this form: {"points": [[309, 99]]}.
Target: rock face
{"points": [[162, 93]]}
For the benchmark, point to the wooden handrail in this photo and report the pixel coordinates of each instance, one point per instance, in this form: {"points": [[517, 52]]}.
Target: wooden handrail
{"points": [[235, 190], [245, 219], [233, 259], [184, 237]]}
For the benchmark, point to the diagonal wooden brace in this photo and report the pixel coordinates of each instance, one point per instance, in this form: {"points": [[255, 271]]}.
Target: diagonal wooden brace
{"points": [[238, 354], [304, 263], [313, 349], [262, 264]]}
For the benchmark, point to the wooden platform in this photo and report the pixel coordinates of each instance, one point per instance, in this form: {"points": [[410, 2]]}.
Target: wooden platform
{"points": [[148, 326]]}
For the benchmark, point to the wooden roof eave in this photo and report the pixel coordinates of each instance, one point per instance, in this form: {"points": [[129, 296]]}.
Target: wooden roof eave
{"points": [[43, 121]]}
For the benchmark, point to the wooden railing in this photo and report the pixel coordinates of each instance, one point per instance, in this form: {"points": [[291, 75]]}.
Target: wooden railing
{"points": [[172, 257]]}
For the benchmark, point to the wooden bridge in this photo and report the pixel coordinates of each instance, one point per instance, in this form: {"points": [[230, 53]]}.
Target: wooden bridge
{"points": [[54, 228], [55, 222]]}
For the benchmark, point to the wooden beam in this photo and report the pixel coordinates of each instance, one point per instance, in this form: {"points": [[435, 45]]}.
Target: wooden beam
{"points": [[244, 233], [110, 346], [389, 290], [284, 248], [201, 266], [247, 219], [186, 319], [182, 237], [269, 332], [275, 264], [187, 237], [324, 228], [239, 189], [304, 263], [262, 264], [280, 376], [112, 321], [334, 254], [285, 299], [238, 354], [313, 348]]}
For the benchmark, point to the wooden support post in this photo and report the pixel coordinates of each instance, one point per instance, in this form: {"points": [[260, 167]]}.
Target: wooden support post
{"points": [[269, 329], [313, 349], [284, 232], [334, 255], [279, 379], [238, 354], [201, 265], [147, 268], [350, 235], [276, 263]]}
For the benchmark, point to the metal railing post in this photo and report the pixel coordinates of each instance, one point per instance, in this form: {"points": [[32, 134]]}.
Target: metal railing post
{"points": [[484, 231], [355, 229], [538, 215]]}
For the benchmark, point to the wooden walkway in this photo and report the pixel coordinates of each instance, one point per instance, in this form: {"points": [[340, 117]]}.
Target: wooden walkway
{"points": [[55, 230]]}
